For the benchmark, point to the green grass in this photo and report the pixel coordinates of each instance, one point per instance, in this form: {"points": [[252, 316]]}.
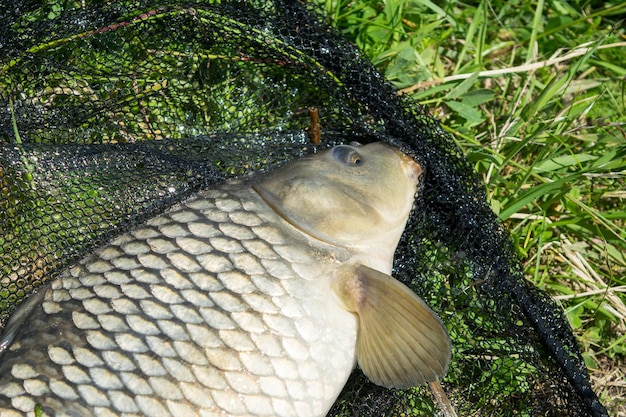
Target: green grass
{"points": [[535, 95]]}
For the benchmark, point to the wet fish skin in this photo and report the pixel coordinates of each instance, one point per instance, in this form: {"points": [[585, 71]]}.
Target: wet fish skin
{"points": [[240, 301]]}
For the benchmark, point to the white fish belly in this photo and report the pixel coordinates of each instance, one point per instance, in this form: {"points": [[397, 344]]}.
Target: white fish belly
{"points": [[209, 309]]}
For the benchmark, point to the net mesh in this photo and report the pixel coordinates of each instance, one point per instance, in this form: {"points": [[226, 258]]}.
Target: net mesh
{"points": [[110, 113]]}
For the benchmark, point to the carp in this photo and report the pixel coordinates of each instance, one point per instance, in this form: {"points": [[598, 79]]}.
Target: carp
{"points": [[255, 298]]}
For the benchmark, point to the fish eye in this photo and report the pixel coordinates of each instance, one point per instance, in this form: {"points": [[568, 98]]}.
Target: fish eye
{"points": [[347, 154]]}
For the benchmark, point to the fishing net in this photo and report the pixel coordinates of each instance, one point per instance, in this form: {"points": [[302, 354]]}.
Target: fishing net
{"points": [[110, 112]]}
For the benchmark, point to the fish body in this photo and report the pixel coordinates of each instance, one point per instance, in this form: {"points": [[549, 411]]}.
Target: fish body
{"points": [[256, 298]]}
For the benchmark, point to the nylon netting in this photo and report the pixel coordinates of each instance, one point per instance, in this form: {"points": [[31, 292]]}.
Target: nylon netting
{"points": [[112, 111]]}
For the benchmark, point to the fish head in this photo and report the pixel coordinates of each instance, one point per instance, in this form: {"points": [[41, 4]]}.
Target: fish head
{"points": [[355, 196]]}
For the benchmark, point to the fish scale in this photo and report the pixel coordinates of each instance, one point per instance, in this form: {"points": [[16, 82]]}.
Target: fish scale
{"points": [[256, 298], [140, 300]]}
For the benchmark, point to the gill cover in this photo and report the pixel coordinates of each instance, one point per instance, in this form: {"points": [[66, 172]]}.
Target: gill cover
{"points": [[345, 195]]}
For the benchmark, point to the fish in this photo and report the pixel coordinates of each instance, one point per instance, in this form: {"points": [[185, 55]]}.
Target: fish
{"points": [[257, 297]]}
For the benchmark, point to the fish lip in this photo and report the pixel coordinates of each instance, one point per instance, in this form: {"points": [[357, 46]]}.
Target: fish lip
{"points": [[413, 169]]}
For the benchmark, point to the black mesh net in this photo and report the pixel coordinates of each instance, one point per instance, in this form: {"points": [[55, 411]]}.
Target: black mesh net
{"points": [[110, 112]]}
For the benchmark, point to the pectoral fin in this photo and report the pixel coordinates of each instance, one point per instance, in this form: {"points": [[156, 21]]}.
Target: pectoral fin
{"points": [[401, 342]]}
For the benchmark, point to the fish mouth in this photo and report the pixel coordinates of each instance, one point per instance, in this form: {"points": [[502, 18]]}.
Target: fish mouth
{"points": [[412, 168]]}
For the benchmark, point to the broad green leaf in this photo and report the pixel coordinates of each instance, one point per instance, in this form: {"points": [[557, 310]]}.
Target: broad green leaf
{"points": [[483, 155], [462, 88], [578, 86], [564, 161], [551, 92], [532, 194], [611, 159], [475, 98], [574, 316], [470, 114], [442, 13], [621, 71]]}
